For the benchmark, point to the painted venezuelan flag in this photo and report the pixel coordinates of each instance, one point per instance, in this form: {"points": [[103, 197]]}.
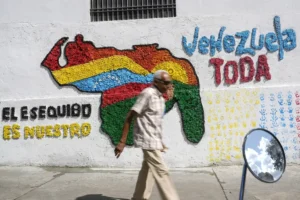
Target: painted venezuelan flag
{"points": [[121, 75]]}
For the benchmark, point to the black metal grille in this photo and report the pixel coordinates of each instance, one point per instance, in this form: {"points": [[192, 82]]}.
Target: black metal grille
{"points": [[109, 10]]}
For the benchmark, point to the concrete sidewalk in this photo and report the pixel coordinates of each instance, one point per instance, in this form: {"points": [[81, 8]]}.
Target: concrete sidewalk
{"points": [[211, 183]]}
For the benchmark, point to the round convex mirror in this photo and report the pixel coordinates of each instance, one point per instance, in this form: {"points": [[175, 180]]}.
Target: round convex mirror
{"points": [[264, 155]]}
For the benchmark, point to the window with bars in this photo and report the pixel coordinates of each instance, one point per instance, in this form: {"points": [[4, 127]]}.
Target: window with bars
{"points": [[109, 10]]}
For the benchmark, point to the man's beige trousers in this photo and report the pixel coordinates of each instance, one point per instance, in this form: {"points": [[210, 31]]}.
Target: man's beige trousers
{"points": [[154, 170]]}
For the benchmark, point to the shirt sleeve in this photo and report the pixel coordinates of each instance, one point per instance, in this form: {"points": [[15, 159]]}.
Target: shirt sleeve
{"points": [[141, 102]]}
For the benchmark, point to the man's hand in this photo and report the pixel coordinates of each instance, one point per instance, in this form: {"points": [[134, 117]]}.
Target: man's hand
{"points": [[170, 92], [164, 148], [119, 149]]}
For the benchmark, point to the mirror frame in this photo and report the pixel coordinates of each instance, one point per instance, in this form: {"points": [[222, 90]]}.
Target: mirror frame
{"points": [[245, 160]]}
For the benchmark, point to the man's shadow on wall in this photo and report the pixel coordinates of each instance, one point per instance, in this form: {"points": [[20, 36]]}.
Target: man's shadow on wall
{"points": [[98, 197]]}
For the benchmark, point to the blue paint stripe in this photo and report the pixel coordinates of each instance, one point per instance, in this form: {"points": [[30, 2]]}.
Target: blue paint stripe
{"points": [[108, 80]]}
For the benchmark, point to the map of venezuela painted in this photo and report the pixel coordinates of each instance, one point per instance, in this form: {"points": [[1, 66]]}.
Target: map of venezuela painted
{"points": [[120, 75]]}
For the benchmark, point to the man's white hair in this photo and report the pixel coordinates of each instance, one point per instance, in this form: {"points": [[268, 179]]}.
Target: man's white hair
{"points": [[158, 74]]}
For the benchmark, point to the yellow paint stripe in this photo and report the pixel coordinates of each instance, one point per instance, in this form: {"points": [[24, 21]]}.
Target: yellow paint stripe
{"points": [[87, 70], [175, 70]]}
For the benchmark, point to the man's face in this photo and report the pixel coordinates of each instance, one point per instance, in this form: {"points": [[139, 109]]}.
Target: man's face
{"points": [[164, 83]]}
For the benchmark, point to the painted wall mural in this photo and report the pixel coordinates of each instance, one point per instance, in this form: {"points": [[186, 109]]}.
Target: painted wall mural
{"points": [[36, 113], [219, 114], [120, 75], [271, 41], [232, 113], [280, 41], [278, 114]]}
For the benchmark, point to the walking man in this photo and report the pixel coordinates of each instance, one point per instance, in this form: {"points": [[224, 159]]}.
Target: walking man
{"points": [[148, 112]]}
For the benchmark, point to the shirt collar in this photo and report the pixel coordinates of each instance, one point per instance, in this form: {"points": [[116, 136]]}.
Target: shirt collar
{"points": [[156, 90]]}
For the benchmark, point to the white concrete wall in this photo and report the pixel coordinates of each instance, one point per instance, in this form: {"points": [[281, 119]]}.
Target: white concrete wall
{"points": [[35, 11], [29, 29]]}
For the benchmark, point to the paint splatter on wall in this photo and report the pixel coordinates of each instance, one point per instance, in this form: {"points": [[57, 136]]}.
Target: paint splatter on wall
{"points": [[230, 115], [277, 114]]}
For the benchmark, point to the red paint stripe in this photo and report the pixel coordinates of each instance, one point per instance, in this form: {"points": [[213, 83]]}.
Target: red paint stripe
{"points": [[122, 93]]}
